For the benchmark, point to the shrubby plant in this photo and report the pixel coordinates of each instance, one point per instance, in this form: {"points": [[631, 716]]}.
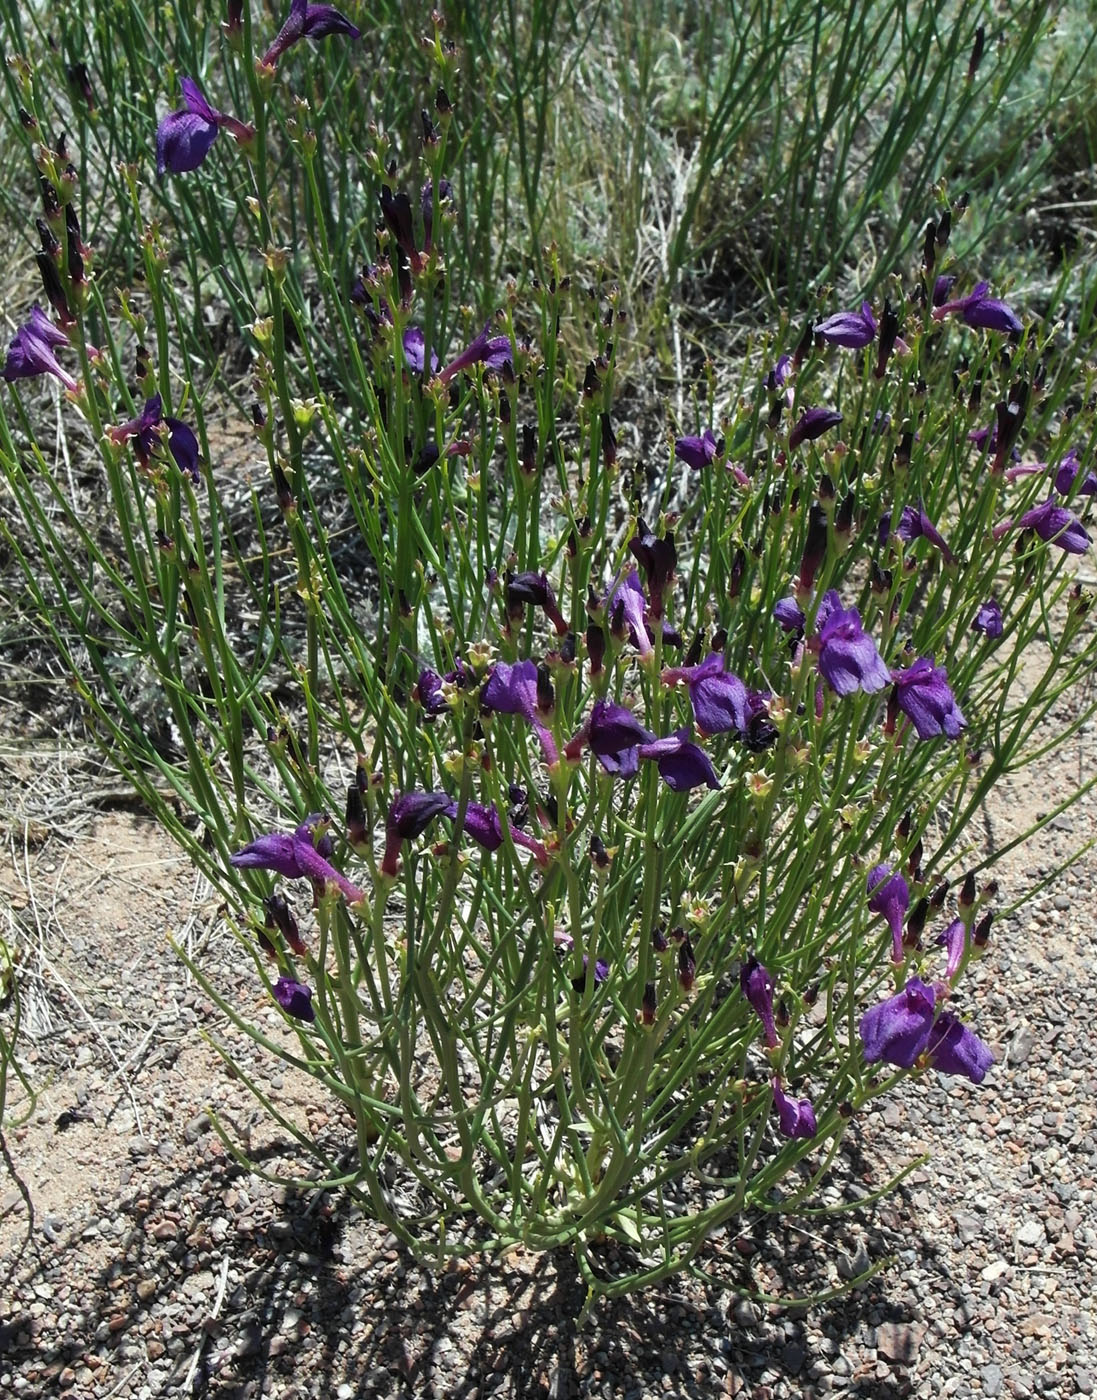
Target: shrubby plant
{"points": [[602, 829]]}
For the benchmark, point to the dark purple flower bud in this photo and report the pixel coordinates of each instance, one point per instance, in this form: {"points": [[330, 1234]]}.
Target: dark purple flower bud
{"points": [[493, 352], [596, 647], [757, 987], [355, 818], [981, 311], [1054, 524], [534, 588], [915, 524], [851, 329], [295, 999], [815, 549], [306, 21], [409, 816], [659, 941], [77, 249], [954, 941], [31, 351], [415, 351], [682, 765], [279, 916], [789, 615], [988, 619], [687, 965], [976, 53], [889, 335], [304, 855], [697, 452], [795, 1117], [53, 289], [184, 138], [649, 1004], [954, 1049], [848, 659], [658, 559], [923, 694], [929, 247], [609, 442], [813, 424], [889, 895], [980, 934], [445, 193]]}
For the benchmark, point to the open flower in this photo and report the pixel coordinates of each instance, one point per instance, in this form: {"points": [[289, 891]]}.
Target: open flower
{"points": [[915, 524], [294, 998], [813, 423], [979, 310], [306, 21], [614, 735], [485, 826], [848, 659], [988, 619], [851, 329], [889, 895], [145, 430], [795, 1117], [923, 694], [184, 138], [304, 855], [491, 351], [31, 350], [531, 587], [682, 765], [626, 607], [512, 690], [908, 1027], [722, 703], [409, 816], [1054, 524], [697, 452]]}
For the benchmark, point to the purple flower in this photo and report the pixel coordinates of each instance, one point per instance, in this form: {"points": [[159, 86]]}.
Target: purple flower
{"points": [[304, 855], [697, 452], [923, 694], [980, 311], [512, 690], [813, 424], [1067, 473], [306, 21], [848, 659], [789, 615], [415, 351], [682, 765], [851, 329], [795, 1117], [626, 605], [184, 138], [897, 1030], [428, 689], [295, 999], [941, 288], [146, 435], [721, 702], [988, 619], [777, 376], [485, 827], [954, 941], [31, 351], [757, 987], [614, 735], [409, 816], [601, 973], [915, 524], [493, 352], [889, 895], [1055, 525], [954, 1049], [907, 1026], [658, 558]]}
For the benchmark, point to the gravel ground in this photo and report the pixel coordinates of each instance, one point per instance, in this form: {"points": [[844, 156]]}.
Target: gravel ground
{"points": [[157, 1267]]}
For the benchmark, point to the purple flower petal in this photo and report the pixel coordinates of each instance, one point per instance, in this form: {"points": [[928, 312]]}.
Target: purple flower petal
{"points": [[848, 659], [988, 619], [682, 765], [697, 452], [954, 1049], [851, 329], [295, 999], [923, 694], [795, 1117], [898, 1030]]}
